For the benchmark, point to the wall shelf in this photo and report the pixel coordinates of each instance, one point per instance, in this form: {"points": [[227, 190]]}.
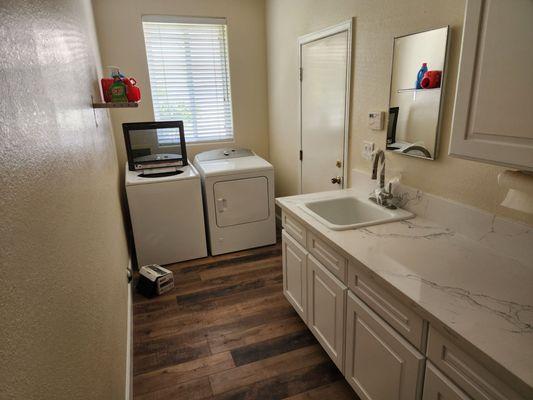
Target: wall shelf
{"points": [[409, 90], [130, 104]]}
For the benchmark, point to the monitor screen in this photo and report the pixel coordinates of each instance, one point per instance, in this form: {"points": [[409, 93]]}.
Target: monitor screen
{"points": [[155, 144]]}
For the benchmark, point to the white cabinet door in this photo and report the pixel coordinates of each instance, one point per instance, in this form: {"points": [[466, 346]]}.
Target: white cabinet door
{"points": [[379, 363], [492, 116], [295, 274], [438, 387], [325, 316]]}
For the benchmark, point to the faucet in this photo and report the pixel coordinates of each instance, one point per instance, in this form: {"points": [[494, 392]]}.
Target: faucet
{"points": [[381, 195]]}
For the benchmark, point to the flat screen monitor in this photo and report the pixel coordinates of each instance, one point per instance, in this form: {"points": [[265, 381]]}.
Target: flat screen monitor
{"points": [[155, 144]]}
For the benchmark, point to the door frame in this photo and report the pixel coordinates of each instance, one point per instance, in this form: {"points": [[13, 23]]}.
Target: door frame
{"points": [[312, 37]]}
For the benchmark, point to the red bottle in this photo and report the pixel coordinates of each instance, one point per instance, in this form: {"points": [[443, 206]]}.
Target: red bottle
{"points": [[106, 84], [431, 80], [132, 91]]}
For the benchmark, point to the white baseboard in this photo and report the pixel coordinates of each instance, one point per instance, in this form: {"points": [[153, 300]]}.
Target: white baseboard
{"points": [[129, 342]]}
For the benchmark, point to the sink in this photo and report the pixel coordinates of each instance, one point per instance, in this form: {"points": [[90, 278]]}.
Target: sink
{"points": [[344, 213]]}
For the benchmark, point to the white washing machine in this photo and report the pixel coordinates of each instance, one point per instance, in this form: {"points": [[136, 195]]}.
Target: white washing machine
{"points": [[238, 188], [167, 215]]}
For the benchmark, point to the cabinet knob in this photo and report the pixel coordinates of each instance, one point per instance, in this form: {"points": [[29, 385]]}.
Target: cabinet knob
{"points": [[336, 179]]}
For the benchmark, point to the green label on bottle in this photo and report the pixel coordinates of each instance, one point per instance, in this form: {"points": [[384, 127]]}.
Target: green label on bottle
{"points": [[118, 92]]}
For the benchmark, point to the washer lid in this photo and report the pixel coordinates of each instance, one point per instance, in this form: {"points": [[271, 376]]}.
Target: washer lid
{"points": [[136, 178], [219, 154], [233, 166]]}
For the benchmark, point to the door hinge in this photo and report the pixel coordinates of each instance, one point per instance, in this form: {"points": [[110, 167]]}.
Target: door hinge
{"points": [[301, 74], [301, 155]]}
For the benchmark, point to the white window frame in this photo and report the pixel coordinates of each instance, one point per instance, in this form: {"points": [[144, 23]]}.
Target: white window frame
{"points": [[193, 137]]}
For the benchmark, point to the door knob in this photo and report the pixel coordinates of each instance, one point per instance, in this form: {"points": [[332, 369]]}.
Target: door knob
{"points": [[336, 179]]}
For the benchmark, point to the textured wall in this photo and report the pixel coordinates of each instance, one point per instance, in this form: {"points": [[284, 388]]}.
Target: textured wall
{"points": [[121, 41], [376, 23], [63, 250]]}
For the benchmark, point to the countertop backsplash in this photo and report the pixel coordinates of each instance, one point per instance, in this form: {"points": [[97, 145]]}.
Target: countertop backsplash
{"points": [[511, 238]]}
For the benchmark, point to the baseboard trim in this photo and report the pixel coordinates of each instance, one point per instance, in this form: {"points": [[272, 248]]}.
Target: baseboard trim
{"points": [[129, 341]]}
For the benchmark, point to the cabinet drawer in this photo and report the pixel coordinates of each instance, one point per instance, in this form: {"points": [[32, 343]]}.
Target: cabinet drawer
{"points": [[398, 315], [294, 228], [330, 258], [379, 363], [439, 387], [466, 372]]}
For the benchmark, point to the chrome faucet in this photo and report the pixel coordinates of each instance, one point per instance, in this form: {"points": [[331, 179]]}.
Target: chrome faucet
{"points": [[381, 195]]}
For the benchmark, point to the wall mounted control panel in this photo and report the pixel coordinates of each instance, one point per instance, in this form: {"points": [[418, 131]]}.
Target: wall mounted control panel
{"points": [[376, 120]]}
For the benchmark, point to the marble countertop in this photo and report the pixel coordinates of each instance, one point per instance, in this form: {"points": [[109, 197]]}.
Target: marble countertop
{"points": [[482, 296]]}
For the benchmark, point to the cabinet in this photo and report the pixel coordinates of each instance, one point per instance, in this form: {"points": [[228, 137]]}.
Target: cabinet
{"points": [[330, 258], [326, 305], [295, 274], [373, 336], [492, 115], [379, 363], [469, 374], [398, 315], [295, 229], [438, 387]]}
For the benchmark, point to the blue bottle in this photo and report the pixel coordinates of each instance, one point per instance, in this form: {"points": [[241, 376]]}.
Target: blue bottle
{"points": [[420, 75]]}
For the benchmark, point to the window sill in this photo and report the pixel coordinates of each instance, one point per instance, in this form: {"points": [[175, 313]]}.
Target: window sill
{"points": [[208, 142]]}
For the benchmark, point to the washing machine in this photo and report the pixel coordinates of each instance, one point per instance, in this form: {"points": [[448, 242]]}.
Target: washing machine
{"points": [[167, 215], [238, 189]]}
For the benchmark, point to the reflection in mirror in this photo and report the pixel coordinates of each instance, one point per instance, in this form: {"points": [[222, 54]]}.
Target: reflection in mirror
{"points": [[160, 144], [416, 93]]}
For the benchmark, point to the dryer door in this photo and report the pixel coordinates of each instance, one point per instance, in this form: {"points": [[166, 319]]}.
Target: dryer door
{"points": [[241, 201]]}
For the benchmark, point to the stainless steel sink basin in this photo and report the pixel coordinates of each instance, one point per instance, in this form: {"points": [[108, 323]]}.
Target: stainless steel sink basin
{"points": [[344, 213]]}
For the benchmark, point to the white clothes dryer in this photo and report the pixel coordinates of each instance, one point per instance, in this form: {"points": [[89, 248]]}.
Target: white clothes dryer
{"points": [[238, 189]]}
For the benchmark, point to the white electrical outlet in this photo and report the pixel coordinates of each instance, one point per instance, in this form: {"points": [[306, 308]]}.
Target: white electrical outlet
{"points": [[368, 150]]}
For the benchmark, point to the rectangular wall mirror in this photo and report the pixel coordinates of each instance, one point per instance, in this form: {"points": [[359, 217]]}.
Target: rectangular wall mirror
{"points": [[417, 78]]}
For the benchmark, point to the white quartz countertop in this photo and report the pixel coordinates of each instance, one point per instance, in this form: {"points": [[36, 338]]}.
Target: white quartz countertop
{"points": [[481, 296]]}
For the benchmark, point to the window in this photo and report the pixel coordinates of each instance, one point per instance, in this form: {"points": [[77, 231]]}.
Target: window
{"points": [[189, 75]]}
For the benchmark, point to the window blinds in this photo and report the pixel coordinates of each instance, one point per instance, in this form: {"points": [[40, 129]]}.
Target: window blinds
{"points": [[189, 75]]}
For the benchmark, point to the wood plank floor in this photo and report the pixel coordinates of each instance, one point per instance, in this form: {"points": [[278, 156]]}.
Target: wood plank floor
{"points": [[227, 332]]}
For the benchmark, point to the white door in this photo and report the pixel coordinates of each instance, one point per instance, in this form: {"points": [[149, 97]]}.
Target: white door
{"points": [[325, 304], [325, 58], [241, 201]]}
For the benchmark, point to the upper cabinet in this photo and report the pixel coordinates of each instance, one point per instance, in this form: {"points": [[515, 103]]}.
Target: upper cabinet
{"points": [[493, 115]]}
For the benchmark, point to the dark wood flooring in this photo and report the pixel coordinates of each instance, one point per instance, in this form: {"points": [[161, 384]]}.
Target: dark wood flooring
{"points": [[227, 332]]}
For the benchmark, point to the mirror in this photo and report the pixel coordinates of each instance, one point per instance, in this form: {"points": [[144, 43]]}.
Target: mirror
{"points": [[418, 67]]}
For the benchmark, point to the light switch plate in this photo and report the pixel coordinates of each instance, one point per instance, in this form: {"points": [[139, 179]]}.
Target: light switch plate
{"points": [[375, 120], [368, 150]]}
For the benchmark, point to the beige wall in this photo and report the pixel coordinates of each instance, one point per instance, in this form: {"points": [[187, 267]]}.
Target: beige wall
{"points": [[63, 297], [122, 44], [376, 23]]}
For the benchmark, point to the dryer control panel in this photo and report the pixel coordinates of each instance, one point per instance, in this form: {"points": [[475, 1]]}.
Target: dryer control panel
{"points": [[219, 154]]}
